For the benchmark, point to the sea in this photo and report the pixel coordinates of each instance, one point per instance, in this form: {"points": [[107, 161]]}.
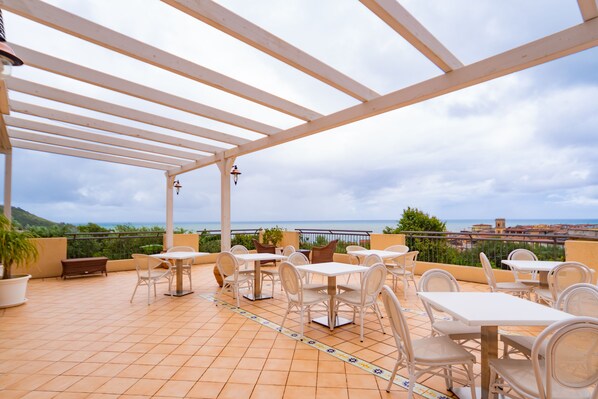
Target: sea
{"points": [[375, 226]]}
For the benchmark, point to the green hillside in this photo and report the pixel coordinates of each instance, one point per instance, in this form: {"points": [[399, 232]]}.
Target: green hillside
{"points": [[24, 218]]}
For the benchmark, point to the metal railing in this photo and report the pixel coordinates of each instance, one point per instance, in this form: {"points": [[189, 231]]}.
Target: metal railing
{"points": [[464, 248], [309, 238], [209, 240], [113, 245]]}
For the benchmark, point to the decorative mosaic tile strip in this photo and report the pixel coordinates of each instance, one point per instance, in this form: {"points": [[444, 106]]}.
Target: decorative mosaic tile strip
{"points": [[371, 368]]}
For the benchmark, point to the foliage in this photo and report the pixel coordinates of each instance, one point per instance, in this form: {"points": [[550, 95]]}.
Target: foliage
{"points": [[209, 242], [16, 247], [21, 217], [272, 235], [243, 239], [415, 220]]}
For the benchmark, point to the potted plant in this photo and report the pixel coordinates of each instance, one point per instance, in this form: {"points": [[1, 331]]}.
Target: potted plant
{"points": [[272, 236], [16, 249]]}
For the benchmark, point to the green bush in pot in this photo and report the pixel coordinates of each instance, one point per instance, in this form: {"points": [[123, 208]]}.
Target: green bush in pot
{"points": [[16, 247]]}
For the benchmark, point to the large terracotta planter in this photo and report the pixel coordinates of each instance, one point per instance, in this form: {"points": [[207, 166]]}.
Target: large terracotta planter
{"points": [[13, 291], [217, 275]]}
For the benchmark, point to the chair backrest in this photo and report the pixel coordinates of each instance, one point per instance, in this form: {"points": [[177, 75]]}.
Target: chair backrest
{"points": [[569, 350], [298, 259], [239, 250], [180, 248], [324, 254], [354, 260], [567, 274], [436, 280], [398, 324], [291, 282], [289, 249], [522, 254], [488, 271], [263, 248], [227, 265], [144, 264], [398, 248], [579, 299], [372, 283], [371, 260]]}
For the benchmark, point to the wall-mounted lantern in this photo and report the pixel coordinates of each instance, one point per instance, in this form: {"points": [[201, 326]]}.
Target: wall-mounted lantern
{"points": [[235, 173], [8, 58], [177, 186]]}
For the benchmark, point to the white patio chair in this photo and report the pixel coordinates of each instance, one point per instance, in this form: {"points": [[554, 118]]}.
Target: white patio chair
{"points": [[298, 297], [563, 364], [561, 277], [241, 250], [515, 288], [232, 280], [368, 261], [578, 299], [354, 259], [437, 280], [524, 254], [298, 259], [187, 263], [288, 250], [403, 268], [366, 296], [426, 355], [148, 274], [401, 249]]}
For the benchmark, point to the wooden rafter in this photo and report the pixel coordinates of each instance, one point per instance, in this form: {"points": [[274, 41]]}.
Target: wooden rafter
{"points": [[87, 146], [566, 42], [36, 110], [88, 75], [12, 121], [77, 100], [27, 145], [4, 139], [588, 8], [72, 24], [232, 24], [399, 19]]}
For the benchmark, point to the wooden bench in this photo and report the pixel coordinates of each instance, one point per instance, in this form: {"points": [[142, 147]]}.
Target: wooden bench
{"points": [[84, 266]]}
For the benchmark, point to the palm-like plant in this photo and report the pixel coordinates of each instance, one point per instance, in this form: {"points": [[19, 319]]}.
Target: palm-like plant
{"points": [[16, 247]]}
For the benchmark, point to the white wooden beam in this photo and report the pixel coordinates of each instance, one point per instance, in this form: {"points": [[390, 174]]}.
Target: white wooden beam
{"points": [[3, 98], [399, 19], [35, 110], [72, 24], [93, 104], [225, 166], [169, 212], [570, 41], [4, 139], [87, 146], [97, 138], [27, 145], [588, 8], [228, 22], [52, 64]]}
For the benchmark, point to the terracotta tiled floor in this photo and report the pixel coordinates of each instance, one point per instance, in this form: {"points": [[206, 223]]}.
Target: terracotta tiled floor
{"points": [[81, 338]]}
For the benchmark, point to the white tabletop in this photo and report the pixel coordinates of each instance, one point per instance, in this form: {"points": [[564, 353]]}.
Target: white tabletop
{"points": [[380, 253], [493, 309], [331, 269], [531, 265], [260, 256], [179, 255]]}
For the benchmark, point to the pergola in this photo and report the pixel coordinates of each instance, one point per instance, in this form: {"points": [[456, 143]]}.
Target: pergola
{"points": [[176, 155]]}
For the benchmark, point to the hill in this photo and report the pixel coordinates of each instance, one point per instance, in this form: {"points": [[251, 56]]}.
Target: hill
{"points": [[25, 218]]}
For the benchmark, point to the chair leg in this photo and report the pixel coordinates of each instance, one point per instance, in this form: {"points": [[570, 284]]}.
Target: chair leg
{"points": [[301, 322], [405, 285], [412, 381], [361, 317], [134, 291], [149, 291], [392, 376], [190, 279], [237, 295], [469, 368], [377, 311], [285, 317]]}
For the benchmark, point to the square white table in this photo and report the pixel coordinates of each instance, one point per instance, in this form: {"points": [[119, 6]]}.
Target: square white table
{"points": [[362, 253], [490, 310], [332, 270], [179, 257], [257, 275], [541, 266]]}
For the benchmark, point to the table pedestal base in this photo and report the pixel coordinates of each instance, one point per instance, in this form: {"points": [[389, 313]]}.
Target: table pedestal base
{"points": [[340, 321], [179, 293], [259, 297], [465, 392]]}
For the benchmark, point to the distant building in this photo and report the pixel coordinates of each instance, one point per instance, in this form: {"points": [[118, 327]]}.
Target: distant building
{"points": [[500, 225], [480, 227]]}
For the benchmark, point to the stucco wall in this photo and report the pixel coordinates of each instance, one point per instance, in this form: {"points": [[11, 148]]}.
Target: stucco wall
{"points": [[585, 252], [51, 252], [382, 241]]}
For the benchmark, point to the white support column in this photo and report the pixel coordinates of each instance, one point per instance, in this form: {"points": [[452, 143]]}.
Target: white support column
{"points": [[8, 184], [225, 165], [169, 211]]}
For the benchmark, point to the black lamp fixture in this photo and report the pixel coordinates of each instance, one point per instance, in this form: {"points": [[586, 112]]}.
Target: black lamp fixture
{"points": [[235, 172], [177, 185], [8, 58]]}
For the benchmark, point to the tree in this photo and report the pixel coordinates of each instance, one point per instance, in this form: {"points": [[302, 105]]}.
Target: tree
{"points": [[415, 220]]}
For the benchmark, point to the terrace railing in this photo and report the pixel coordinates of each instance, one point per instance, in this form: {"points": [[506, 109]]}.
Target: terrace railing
{"points": [[464, 248], [309, 238], [113, 245]]}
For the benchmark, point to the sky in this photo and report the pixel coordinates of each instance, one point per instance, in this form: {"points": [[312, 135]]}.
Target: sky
{"points": [[523, 146]]}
